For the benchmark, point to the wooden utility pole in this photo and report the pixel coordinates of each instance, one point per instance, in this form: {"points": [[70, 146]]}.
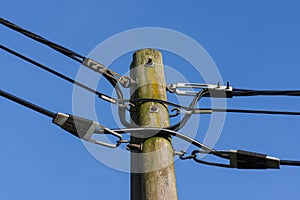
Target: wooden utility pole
{"points": [[154, 162]]}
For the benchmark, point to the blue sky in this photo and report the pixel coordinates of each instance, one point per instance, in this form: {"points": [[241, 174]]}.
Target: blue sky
{"points": [[255, 44]]}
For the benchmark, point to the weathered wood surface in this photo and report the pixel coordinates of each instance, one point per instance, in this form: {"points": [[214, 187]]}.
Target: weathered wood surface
{"points": [[158, 181]]}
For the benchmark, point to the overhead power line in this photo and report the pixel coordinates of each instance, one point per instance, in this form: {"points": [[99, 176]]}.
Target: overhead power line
{"points": [[190, 108], [265, 112], [110, 76], [80, 127], [43, 40], [99, 94], [87, 62], [77, 126], [227, 91], [245, 92], [290, 162], [27, 104]]}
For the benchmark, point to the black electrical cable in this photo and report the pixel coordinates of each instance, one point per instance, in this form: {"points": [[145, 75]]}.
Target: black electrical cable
{"points": [[80, 58], [290, 162], [67, 52], [253, 111], [179, 135], [113, 82], [108, 74], [122, 110], [27, 104], [174, 133], [100, 95], [221, 154], [42, 40], [196, 110], [245, 92], [52, 115], [121, 99]]}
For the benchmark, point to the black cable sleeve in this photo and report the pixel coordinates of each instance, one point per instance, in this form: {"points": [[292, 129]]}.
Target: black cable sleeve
{"points": [[27, 104]]}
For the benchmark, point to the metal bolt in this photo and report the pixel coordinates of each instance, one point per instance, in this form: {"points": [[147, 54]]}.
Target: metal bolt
{"points": [[227, 86], [154, 109], [149, 63]]}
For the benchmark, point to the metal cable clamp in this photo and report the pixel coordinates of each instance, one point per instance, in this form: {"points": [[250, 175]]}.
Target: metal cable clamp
{"points": [[216, 91], [189, 112], [84, 128], [125, 81]]}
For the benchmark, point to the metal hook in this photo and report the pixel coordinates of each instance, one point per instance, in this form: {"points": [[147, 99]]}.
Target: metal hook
{"points": [[127, 106], [126, 81], [186, 157], [178, 111]]}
